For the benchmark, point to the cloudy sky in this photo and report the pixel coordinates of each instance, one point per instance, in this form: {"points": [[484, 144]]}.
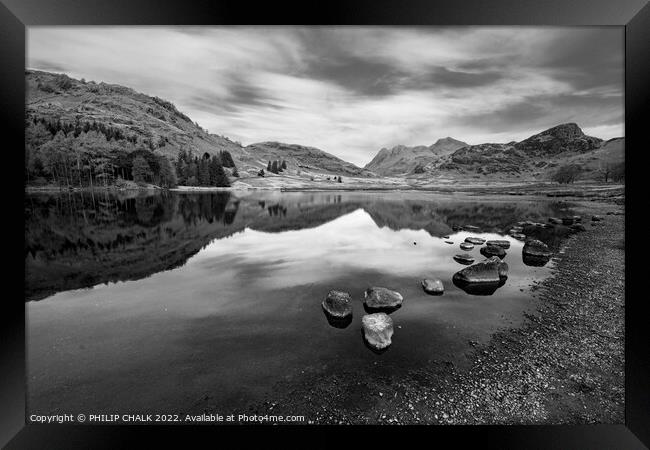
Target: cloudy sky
{"points": [[353, 90]]}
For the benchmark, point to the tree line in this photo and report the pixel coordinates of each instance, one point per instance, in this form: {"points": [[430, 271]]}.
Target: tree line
{"points": [[90, 154], [208, 170]]}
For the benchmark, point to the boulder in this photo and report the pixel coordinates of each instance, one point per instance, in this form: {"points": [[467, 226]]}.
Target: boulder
{"points": [[555, 220], [533, 247], [382, 299], [377, 330], [482, 278], [464, 259], [475, 240], [466, 246], [482, 272], [492, 250], [433, 287], [499, 243], [535, 253], [578, 227], [338, 304], [596, 218]]}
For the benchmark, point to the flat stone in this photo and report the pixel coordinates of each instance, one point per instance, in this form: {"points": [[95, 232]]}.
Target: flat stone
{"points": [[433, 287], [499, 243], [475, 240], [383, 299], [466, 246]]}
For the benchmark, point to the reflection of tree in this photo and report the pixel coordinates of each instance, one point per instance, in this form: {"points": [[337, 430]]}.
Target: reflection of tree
{"points": [[76, 240]]}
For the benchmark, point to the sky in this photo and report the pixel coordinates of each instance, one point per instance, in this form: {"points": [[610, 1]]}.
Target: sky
{"points": [[351, 91]]}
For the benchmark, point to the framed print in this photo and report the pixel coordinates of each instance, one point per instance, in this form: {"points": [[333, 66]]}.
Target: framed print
{"points": [[360, 215]]}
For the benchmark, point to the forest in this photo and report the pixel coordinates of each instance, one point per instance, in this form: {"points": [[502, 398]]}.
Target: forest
{"points": [[91, 154]]}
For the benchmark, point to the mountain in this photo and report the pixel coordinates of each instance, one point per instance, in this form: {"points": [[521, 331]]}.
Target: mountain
{"points": [[536, 157], [401, 159], [301, 158], [130, 121]]}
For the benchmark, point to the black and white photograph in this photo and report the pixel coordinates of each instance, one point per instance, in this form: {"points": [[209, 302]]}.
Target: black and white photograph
{"points": [[325, 225]]}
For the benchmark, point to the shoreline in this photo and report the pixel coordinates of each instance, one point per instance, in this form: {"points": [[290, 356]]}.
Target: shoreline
{"points": [[601, 192], [563, 365]]}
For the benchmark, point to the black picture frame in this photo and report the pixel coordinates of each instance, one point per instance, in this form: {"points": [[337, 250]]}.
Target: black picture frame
{"points": [[634, 15]]}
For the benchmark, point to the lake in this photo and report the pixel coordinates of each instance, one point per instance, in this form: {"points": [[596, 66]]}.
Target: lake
{"points": [[167, 303]]}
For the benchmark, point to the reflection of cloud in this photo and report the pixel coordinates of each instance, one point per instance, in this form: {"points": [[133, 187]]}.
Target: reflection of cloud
{"points": [[348, 244], [353, 90]]}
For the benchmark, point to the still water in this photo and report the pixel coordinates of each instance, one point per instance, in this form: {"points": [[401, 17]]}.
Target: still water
{"points": [[158, 303]]}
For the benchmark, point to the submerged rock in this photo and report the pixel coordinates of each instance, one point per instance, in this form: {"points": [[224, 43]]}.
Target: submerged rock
{"points": [[464, 259], [338, 304], [466, 246], [475, 240], [382, 299], [499, 243], [377, 330], [433, 287], [492, 250]]}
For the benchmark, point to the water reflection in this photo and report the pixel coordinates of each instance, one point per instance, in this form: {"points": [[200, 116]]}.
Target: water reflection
{"points": [[221, 293]]}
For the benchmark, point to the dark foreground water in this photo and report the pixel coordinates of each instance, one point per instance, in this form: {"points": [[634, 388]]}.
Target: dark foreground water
{"points": [[157, 304]]}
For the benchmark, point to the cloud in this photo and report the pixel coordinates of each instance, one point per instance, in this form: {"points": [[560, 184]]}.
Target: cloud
{"points": [[353, 90]]}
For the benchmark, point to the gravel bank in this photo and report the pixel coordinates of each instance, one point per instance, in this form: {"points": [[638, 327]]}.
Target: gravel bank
{"points": [[564, 365]]}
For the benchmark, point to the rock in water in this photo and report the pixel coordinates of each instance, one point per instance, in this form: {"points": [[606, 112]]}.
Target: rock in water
{"points": [[464, 259], [492, 250], [482, 278], [338, 304], [482, 272], [433, 287], [535, 253], [449, 242], [471, 228], [475, 240], [533, 247], [519, 236], [466, 246], [377, 330], [382, 299], [555, 220], [499, 243]]}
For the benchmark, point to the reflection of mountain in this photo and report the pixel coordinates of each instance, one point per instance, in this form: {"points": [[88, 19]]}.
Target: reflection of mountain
{"points": [[79, 240]]}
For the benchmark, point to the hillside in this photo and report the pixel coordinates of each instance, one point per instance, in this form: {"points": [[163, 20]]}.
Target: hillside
{"points": [[301, 158], [402, 160], [152, 122]]}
